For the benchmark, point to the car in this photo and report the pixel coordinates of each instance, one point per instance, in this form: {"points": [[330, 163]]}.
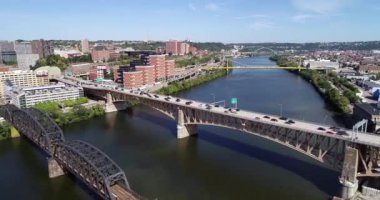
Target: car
{"points": [[274, 120], [230, 109], [178, 100], [188, 102], [156, 96], [216, 105], [330, 132], [237, 109], [226, 111], [226, 107], [342, 132], [283, 118], [321, 129], [266, 117], [167, 99], [291, 121]]}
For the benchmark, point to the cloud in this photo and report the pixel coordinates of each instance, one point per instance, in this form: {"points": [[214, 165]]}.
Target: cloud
{"points": [[251, 17], [212, 7], [192, 7], [301, 18], [261, 25], [319, 6]]}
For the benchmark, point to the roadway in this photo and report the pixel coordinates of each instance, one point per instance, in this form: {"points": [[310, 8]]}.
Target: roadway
{"points": [[361, 138]]}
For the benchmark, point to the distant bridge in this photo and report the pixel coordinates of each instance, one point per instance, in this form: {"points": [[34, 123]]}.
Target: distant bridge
{"points": [[356, 156], [84, 161], [260, 48]]}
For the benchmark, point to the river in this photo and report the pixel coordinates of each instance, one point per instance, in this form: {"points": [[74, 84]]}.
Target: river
{"points": [[217, 164]]}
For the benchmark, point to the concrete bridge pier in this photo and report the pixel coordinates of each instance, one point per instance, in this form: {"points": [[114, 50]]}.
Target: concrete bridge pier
{"points": [[348, 177], [54, 168], [185, 130], [110, 106]]}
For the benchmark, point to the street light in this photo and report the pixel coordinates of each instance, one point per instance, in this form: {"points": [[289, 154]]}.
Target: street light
{"points": [[280, 109], [212, 94]]}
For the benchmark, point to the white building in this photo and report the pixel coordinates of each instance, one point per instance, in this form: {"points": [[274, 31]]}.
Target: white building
{"points": [[85, 46], [29, 96], [18, 78], [25, 61], [321, 64]]}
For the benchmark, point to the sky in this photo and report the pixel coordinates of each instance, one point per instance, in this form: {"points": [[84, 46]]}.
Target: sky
{"points": [[227, 21]]}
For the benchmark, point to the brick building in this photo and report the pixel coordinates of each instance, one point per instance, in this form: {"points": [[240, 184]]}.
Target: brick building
{"points": [[133, 79], [148, 74], [158, 61], [169, 68], [100, 54], [173, 47]]}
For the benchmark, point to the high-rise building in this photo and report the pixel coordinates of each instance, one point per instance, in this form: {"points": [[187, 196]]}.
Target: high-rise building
{"points": [[158, 61], [42, 48], [6, 46], [85, 46], [25, 61], [193, 50], [172, 47], [8, 57]]}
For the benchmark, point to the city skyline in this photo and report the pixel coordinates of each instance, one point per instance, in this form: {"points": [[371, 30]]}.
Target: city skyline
{"points": [[197, 20]]}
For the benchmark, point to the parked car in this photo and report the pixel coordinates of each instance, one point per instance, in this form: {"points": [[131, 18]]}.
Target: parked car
{"points": [[266, 117], [283, 118], [321, 129], [274, 120], [188, 102], [291, 121], [178, 100]]}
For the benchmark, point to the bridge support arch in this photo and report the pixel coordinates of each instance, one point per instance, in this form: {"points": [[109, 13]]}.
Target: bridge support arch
{"points": [[185, 130], [348, 177]]}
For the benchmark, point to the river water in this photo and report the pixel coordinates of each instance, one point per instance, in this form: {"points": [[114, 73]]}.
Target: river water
{"points": [[217, 164]]}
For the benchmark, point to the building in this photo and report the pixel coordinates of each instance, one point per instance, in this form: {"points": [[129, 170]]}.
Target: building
{"points": [[42, 48], [132, 79], [29, 96], [172, 47], [23, 48], [148, 74], [85, 46], [50, 71], [158, 61], [326, 64], [169, 68], [100, 54], [118, 73], [25, 61], [70, 53], [193, 50], [8, 57], [185, 49], [17, 78], [6, 46], [369, 69], [371, 112], [97, 72]]}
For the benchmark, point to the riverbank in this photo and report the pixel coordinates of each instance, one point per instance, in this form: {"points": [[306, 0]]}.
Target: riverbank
{"points": [[185, 85], [340, 100], [5, 130], [76, 114]]}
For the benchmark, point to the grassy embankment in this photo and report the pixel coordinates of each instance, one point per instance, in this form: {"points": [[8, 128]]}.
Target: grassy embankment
{"points": [[185, 85], [340, 96]]}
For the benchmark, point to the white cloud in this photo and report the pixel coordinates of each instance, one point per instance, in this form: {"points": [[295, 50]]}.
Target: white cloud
{"points": [[261, 25], [212, 7], [192, 7], [319, 6], [251, 17], [302, 18]]}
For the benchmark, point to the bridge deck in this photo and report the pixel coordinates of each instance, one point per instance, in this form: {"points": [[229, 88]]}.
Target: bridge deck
{"points": [[122, 194], [361, 138]]}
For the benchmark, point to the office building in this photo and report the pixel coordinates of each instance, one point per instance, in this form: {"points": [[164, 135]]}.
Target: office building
{"points": [[148, 74], [29, 96], [133, 79], [100, 54], [158, 61], [26, 61], [85, 46], [97, 72], [42, 48]]}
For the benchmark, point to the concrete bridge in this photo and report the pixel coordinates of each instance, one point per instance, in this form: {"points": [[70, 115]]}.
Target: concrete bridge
{"points": [[355, 154], [87, 163]]}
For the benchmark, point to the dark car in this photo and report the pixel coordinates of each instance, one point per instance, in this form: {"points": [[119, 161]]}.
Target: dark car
{"points": [[156, 96], [283, 118], [342, 132], [216, 105], [178, 100], [237, 109], [274, 120], [266, 117], [321, 129], [291, 121], [226, 107], [189, 102], [167, 99]]}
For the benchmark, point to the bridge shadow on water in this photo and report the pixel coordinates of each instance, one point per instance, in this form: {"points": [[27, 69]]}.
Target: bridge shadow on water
{"points": [[323, 178]]}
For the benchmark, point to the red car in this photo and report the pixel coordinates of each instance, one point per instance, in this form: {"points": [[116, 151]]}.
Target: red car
{"points": [[330, 132]]}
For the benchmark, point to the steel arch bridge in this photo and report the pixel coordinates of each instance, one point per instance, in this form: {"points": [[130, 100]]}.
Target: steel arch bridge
{"points": [[86, 162], [260, 48]]}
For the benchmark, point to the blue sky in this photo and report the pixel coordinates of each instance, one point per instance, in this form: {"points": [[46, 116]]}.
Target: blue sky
{"points": [[197, 20]]}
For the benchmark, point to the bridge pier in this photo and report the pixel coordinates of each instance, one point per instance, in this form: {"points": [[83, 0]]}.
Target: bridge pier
{"points": [[14, 132], [54, 168], [348, 177], [185, 130]]}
